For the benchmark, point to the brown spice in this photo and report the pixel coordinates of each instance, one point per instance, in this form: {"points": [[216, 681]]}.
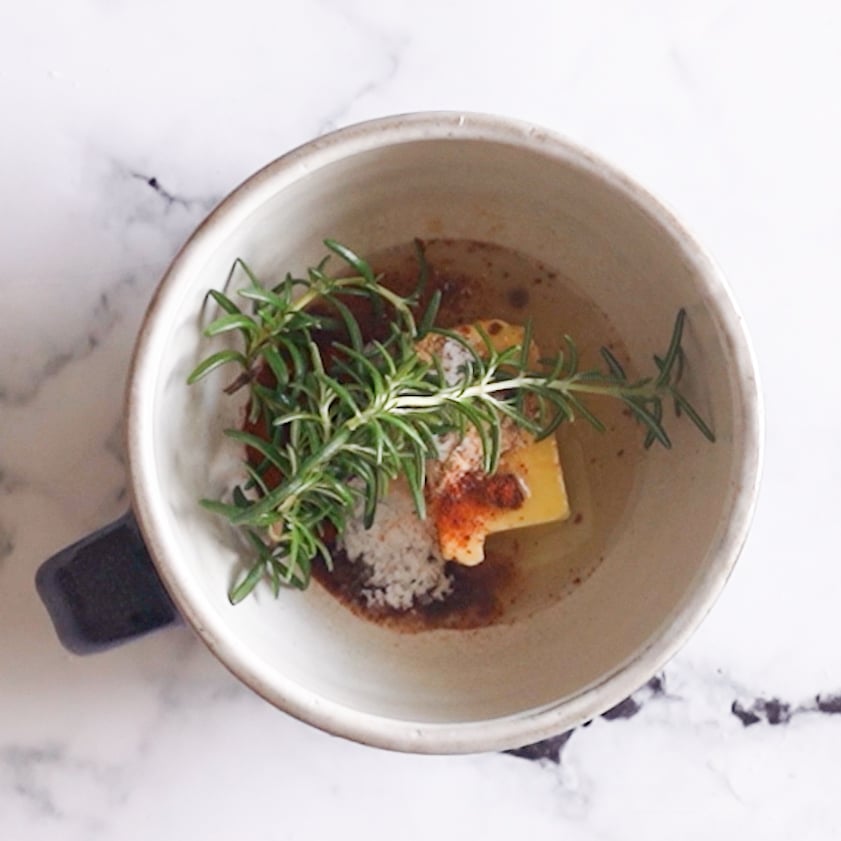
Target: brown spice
{"points": [[478, 597], [460, 509], [503, 490]]}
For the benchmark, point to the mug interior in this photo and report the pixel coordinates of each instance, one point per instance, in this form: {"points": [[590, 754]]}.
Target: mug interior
{"points": [[681, 525]]}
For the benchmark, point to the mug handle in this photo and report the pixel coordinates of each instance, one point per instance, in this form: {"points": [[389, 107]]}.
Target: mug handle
{"points": [[104, 589]]}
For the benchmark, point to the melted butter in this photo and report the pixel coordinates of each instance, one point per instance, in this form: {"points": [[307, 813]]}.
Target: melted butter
{"points": [[527, 569]]}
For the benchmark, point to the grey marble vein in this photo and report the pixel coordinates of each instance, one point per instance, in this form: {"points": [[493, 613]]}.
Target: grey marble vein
{"points": [[389, 45], [749, 711], [122, 299], [115, 442], [171, 199], [37, 773], [775, 711], [9, 484], [21, 766], [7, 544], [551, 749], [106, 314], [138, 196]]}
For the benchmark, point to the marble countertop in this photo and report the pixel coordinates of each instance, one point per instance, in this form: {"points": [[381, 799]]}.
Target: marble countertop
{"points": [[126, 122]]}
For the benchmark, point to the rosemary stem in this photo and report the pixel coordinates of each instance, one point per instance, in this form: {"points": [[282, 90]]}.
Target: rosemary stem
{"points": [[413, 402], [282, 498], [342, 426], [314, 293]]}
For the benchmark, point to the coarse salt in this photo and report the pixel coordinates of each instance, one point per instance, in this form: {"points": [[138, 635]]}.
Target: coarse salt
{"points": [[400, 552]]}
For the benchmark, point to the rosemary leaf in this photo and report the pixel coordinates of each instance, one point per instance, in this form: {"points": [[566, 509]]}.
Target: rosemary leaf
{"points": [[342, 425], [214, 361]]}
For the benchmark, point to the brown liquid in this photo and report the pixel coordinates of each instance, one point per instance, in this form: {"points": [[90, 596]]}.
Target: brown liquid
{"points": [[527, 569]]}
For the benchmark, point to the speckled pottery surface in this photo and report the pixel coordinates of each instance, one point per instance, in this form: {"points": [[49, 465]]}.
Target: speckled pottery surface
{"points": [[486, 179], [125, 135]]}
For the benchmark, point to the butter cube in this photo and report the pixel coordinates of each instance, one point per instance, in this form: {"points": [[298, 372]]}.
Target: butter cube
{"points": [[526, 490]]}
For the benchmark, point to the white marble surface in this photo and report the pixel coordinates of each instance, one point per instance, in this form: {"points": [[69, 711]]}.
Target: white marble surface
{"points": [[123, 123]]}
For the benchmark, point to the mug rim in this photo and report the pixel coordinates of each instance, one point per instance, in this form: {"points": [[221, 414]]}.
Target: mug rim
{"points": [[452, 737]]}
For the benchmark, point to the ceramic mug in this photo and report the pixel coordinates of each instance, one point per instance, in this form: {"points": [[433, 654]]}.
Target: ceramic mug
{"points": [[682, 522]]}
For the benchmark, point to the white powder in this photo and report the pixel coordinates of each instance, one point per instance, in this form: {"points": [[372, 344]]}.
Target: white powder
{"points": [[459, 456], [454, 358], [400, 551]]}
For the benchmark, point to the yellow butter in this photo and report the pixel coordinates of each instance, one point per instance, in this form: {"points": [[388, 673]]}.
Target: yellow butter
{"points": [[536, 464]]}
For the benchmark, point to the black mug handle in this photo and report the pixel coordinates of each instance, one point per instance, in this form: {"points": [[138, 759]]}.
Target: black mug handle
{"points": [[104, 589]]}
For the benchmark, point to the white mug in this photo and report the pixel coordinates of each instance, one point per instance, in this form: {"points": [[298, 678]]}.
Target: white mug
{"points": [[559, 658]]}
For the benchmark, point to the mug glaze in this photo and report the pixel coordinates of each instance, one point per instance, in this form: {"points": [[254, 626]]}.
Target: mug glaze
{"points": [[460, 176]]}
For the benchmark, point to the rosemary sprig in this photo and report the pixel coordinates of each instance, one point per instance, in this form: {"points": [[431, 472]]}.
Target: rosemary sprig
{"points": [[340, 426]]}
